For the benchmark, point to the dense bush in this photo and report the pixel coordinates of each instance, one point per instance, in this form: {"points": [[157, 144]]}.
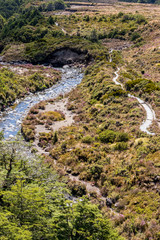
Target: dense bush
{"points": [[122, 137], [87, 139], [17, 27], [52, 6], [120, 146], [144, 85], [135, 36], [59, 5], [9, 7], [107, 136]]}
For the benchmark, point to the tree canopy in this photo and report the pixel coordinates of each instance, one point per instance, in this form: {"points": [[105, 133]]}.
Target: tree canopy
{"points": [[34, 205]]}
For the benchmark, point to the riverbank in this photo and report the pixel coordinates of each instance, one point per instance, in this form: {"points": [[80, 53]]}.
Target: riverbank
{"points": [[19, 80], [11, 119]]}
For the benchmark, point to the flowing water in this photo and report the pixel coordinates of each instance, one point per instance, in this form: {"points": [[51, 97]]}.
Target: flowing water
{"points": [[11, 119]]}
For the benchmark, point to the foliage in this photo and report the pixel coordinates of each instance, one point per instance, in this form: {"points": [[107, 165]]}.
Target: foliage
{"points": [[87, 139], [59, 5], [120, 160], [9, 7], [52, 6], [144, 85], [121, 146], [122, 137], [107, 136], [1, 135], [34, 205], [18, 27], [13, 86], [93, 36]]}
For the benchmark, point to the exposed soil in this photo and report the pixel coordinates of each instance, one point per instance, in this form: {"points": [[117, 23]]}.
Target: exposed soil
{"points": [[65, 56], [60, 105], [116, 44]]}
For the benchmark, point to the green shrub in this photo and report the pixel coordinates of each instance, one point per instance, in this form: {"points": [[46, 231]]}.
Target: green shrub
{"points": [[122, 137], [86, 18], [135, 36], [77, 189], [120, 146], [87, 139], [107, 136], [59, 5], [93, 36], [141, 84], [1, 135]]}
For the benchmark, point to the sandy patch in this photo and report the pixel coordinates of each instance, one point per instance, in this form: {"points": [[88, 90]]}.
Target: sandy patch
{"points": [[60, 105]]}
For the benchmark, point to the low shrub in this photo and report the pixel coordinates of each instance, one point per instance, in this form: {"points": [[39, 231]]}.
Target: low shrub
{"points": [[77, 189], [87, 139], [107, 136], [122, 137], [120, 146]]}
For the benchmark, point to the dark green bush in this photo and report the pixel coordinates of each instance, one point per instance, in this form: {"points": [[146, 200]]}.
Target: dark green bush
{"points": [[141, 84], [1, 135], [59, 5], [86, 18], [93, 36], [107, 136], [135, 36], [122, 137], [120, 146], [87, 139]]}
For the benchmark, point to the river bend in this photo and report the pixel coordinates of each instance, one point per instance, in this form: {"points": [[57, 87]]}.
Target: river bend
{"points": [[11, 119]]}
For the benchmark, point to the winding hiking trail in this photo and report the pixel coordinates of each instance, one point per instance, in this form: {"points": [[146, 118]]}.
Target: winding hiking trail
{"points": [[61, 105], [150, 114], [12, 120]]}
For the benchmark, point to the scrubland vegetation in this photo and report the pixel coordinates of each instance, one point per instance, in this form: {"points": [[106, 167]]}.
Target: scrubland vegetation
{"points": [[104, 147], [13, 86]]}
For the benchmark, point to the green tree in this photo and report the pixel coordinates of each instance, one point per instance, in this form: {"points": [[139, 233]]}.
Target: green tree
{"points": [[59, 5], [34, 205], [9, 229]]}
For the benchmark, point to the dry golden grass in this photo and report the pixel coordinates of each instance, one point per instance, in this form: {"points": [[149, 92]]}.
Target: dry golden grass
{"points": [[151, 11]]}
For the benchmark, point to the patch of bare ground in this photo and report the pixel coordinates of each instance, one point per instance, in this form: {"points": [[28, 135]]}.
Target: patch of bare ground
{"points": [[116, 44], [60, 105]]}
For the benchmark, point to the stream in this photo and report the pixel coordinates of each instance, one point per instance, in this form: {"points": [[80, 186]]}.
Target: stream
{"points": [[11, 119]]}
